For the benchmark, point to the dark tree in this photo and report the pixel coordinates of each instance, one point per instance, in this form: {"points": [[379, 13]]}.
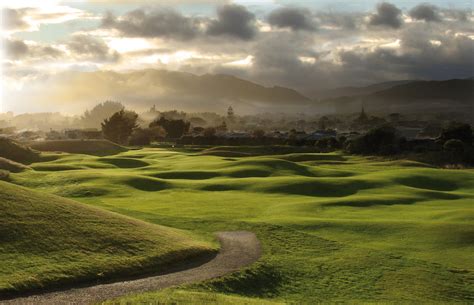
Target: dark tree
{"points": [[174, 128], [381, 141], [458, 131], [120, 126]]}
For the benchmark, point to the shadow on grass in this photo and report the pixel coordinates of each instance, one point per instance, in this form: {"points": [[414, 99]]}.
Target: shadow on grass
{"points": [[428, 183], [147, 184], [124, 162], [189, 175]]}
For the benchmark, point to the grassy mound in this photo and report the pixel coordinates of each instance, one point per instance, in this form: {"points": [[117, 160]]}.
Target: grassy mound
{"points": [[47, 241], [243, 151], [11, 166], [14, 151], [88, 147], [334, 228], [124, 162]]}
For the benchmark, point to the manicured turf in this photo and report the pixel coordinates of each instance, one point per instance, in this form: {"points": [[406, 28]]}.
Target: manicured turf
{"points": [[91, 147], [47, 241], [333, 227], [173, 297]]}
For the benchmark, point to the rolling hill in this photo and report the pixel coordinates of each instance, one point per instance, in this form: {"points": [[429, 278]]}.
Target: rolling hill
{"points": [[168, 90], [47, 241], [88, 147], [352, 91], [14, 151], [456, 95], [334, 228]]}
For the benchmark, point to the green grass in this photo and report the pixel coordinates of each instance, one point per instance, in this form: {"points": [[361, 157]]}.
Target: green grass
{"points": [[11, 166], [334, 228], [173, 297], [47, 241], [14, 151], [90, 147]]}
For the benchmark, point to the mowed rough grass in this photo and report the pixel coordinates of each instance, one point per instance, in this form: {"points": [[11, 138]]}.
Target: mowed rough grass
{"points": [[176, 296], [334, 228], [47, 241]]}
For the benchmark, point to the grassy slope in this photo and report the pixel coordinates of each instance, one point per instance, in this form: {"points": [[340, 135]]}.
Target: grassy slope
{"points": [[48, 241], [334, 227], [12, 166], [92, 147], [17, 152]]}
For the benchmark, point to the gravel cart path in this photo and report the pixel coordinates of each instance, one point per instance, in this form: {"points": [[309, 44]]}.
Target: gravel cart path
{"points": [[238, 249]]}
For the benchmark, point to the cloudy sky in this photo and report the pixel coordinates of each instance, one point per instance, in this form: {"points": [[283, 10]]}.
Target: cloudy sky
{"points": [[305, 45]]}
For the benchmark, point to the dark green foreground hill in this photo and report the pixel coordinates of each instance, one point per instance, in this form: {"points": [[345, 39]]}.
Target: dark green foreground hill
{"points": [[88, 147], [47, 241], [17, 152]]}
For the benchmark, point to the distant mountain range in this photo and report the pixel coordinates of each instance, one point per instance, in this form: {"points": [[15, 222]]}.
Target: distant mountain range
{"points": [[456, 95], [352, 91], [189, 92], [174, 90]]}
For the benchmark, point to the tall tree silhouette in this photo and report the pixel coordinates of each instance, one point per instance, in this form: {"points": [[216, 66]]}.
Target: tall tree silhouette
{"points": [[120, 126]]}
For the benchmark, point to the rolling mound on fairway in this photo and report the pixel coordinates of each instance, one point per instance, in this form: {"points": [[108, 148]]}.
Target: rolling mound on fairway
{"points": [[48, 241], [12, 166], [124, 162], [245, 151], [88, 147], [17, 152]]}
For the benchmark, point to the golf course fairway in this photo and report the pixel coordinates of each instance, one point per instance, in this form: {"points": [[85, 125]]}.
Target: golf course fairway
{"points": [[333, 227]]}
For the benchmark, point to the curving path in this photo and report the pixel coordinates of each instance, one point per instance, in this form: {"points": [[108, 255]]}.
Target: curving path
{"points": [[238, 249]]}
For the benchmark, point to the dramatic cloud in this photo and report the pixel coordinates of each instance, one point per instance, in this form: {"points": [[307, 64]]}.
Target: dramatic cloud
{"points": [[235, 21], [302, 48], [164, 23], [387, 15], [30, 18], [17, 49], [426, 12], [92, 48], [460, 15], [451, 58], [293, 18], [12, 19], [346, 21]]}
